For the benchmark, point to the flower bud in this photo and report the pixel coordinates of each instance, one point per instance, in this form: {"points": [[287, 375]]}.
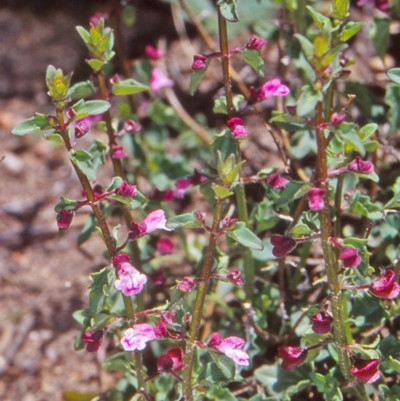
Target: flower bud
{"points": [[117, 152], [235, 277], [93, 340], [119, 259], [282, 245], [199, 62], [316, 199], [366, 370], [292, 357], [360, 166], [337, 118], [275, 180], [385, 286], [64, 218], [131, 126], [70, 113], [161, 330], [186, 285], [153, 53], [255, 43], [126, 190], [81, 128], [115, 79], [321, 322], [236, 127], [350, 257]]}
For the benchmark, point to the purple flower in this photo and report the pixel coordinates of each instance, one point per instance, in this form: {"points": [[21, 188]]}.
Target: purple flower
{"points": [[231, 347], [93, 340], [360, 166], [235, 277], [155, 220], [159, 80], [316, 199], [271, 88], [350, 257], [126, 190], [322, 322], [366, 370], [275, 180], [186, 285], [136, 337], [64, 218], [130, 281], [292, 357], [199, 62], [255, 43], [153, 53], [385, 286], [282, 245], [236, 127]]}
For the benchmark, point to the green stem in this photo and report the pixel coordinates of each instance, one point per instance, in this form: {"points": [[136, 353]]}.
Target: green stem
{"points": [[199, 304]]}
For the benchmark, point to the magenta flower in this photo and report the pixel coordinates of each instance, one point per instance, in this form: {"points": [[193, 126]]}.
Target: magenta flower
{"points": [[155, 220], [360, 166], [136, 337], [153, 53], [94, 19], [337, 118], [199, 62], [366, 370], [231, 347], [271, 88], [159, 80], [126, 190], [235, 277], [81, 128], [385, 286], [172, 360], [183, 183], [64, 218], [130, 281], [292, 357], [382, 5], [120, 259], [236, 127], [322, 322], [186, 285], [165, 246], [316, 199], [117, 152], [158, 195], [350, 257], [255, 43], [282, 245], [275, 180], [131, 126], [93, 340]]}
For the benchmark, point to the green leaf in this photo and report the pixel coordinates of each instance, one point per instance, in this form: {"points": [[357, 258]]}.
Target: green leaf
{"points": [[128, 87], [380, 35], [319, 19], [308, 100], [289, 122], [87, 229], [117, 362], [220, 191], [394, 75], [99, 321], [81, 90], [216, 393], [253, 59], [333, 54], [220, 106], [392, 98], [306, 45], [83, 160], [115, 183], [96, 64], [340, 9], [98, 152], [99, 289], [66, 204], [54, 138], [349, 30], [188, 220], [367, 130], [78, 396], [292, 191], [84, 34], [196, 77], [39, 122], [240, 233], [228, 10], [224, 364], [90, 108]]}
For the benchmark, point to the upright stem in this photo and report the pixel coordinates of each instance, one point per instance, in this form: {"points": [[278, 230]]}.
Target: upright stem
{"points": [[241, 205], [199, 304]]}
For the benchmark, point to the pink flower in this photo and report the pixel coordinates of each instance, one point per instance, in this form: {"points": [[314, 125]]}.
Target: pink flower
{"points": [[236, 127], [126, 190], [131, 126], [183, 183], [366, 370], [235, 277], [120, 259], [158, 195], [382, 5], [316, 199], [155, 220], [282, 245], [230, 347], [81, 128], [275, 180], [360, 166], [271, 88], [172, 360], [93, 339], [337, 118], [186, 285], [255, 43], [130, 281], [322, 322], [64, 218], [292, 357], [117, 152], [94, 19], [385, 286], [350, 257], [199, 62], [165, 246], [136, 337], [153, 53], [159, 80]]}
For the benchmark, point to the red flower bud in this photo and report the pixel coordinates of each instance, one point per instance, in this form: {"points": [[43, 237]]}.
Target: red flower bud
{"points": [[282, 245], [321, 322], [126, 190], [316, 199], [385, 286], [255, 43], [292, 357], [235, 277], [93, 339], [366, 370], [275, 180], [186, 285], [64, 218], [337, 118], [199, 62], [350, 257], [119, 259], [161, 330]]}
